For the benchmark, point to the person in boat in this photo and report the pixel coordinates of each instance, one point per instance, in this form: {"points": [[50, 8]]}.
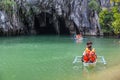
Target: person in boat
{"points": [[89, 55], [78, 36]]}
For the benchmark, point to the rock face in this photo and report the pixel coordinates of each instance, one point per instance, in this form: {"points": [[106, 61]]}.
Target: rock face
{"points": [[51, 16]]}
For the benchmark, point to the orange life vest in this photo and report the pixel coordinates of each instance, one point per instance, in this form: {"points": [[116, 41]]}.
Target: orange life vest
{"points": [[89, 55]]}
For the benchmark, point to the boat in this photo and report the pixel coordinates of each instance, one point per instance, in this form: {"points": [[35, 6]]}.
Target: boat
{"points": [[100, 59]]}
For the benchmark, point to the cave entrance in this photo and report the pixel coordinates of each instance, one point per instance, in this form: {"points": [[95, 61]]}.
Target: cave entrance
{"points": [[44, 25], [62, 27]]}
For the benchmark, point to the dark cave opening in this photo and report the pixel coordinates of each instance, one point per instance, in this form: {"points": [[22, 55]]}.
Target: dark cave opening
{"points": [[44, 25], [63, 28]]}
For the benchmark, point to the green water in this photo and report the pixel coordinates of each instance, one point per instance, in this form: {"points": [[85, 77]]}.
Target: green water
{"points": [[49, 57]]}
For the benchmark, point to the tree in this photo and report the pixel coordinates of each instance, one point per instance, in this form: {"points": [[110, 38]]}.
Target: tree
{"points": [[110, 20], [106, 18], [7, 5], [116, 22], [93, 4]]}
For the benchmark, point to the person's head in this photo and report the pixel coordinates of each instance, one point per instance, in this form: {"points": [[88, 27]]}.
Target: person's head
{"points": [[89, 44]]}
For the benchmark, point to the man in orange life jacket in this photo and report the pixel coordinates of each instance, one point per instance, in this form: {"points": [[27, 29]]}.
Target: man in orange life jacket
{"points": [[89, 55]]}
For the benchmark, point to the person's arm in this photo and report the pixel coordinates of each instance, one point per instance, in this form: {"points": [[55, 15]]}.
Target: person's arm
{"points": [[84, 53], [83, 56], [95, 52]]}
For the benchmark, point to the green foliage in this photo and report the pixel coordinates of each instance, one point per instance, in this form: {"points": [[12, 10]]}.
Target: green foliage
{"points": [[116, 26], [7, 5], [101, 16], [116, 22], [93, 4], [106, 18], [110, 20], [115, 0], [115, 9]]}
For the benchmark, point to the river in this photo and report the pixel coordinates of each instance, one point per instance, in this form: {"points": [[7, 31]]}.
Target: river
{"points": [[50, 57]]}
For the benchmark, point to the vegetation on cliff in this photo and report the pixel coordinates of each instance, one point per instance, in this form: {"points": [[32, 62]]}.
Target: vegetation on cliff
{"points": [[110, 19]]}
